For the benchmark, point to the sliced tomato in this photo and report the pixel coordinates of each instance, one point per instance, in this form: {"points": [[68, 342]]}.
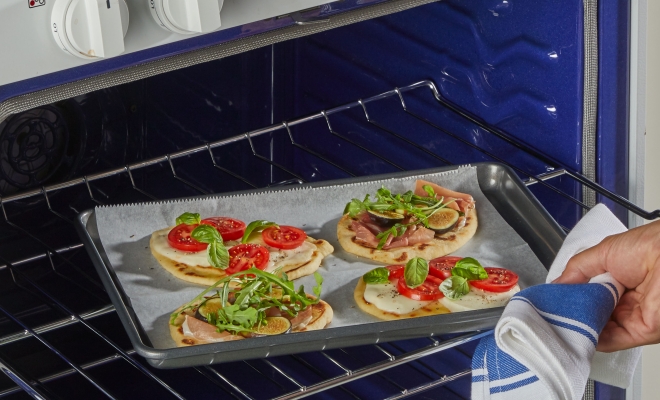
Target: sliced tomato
{"points": [[499, 280], [427, 291], [284, 237], [244, 256], [441, 267], [179, 238], [229, 228]]}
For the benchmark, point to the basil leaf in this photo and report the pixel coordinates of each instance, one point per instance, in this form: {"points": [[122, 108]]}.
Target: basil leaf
{"points": [[416, 272], [206, 234], [188, 219], [377, 276], [470, 269], [218, 255], [428, 189], [258, 226], [319, 284], [454, 287]]}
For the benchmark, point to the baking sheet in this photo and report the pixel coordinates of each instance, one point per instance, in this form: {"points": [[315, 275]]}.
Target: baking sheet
{"points": [[125, 231]]}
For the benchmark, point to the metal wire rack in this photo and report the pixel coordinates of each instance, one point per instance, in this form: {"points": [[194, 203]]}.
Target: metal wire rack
{"points": [[49, 261]]}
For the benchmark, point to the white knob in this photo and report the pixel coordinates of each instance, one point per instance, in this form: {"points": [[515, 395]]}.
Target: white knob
{"points": [[187, 16], [90, 29]]}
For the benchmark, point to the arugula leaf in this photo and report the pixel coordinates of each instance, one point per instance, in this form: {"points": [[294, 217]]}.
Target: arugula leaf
{"points": [[319, 282], [415, 272], [188, 218], [455, 287], [257, 226], [470, 269], [354, 207], [428, 189], [206, 234], [377, 276], [236, 319], [218, 255]]}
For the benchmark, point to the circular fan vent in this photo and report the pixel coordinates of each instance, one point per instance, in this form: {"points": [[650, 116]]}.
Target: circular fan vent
{"points": [[33, 147]]}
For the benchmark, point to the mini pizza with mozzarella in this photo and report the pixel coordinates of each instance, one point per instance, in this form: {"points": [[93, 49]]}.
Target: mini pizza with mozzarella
{"points": [[442, 285], [203, 251], [429, 222], [250, 303]]}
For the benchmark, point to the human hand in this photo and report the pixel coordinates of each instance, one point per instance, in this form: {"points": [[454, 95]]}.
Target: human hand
{"points": [[633, 259]]}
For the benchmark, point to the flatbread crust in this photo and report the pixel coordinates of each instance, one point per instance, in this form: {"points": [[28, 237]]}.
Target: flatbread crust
{"points": [[439, 246], [321, 316], [208, 275], [434, 308]]}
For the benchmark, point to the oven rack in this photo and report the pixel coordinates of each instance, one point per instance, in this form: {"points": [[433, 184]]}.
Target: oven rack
{"points": [[62, 257]]}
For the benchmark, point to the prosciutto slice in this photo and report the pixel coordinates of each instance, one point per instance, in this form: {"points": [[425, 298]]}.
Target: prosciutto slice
{"points": [[365, 237], [206, 332], [415, 234], [464, 202]]}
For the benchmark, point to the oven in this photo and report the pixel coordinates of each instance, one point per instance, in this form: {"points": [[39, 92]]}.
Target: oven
{"points": [[301, 92]]}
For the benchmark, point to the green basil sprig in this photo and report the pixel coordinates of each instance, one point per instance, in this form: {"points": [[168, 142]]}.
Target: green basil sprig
{"points": [[379, 275], [256, 226], [216, 253], [188, 219], [415, 272], [455, 287], [470, 269]]}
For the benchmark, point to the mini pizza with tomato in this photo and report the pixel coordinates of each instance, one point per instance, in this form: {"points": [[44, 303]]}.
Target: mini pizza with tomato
{"points": [[204, 251], [251, 303], [442, 285], [429, 222]]}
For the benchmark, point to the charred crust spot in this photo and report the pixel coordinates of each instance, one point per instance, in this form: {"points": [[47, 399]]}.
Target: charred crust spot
{"points": [[180, 329], [372, 251], [402, 257], [319, 241], [188, 341], [422, 246], [353, 240], [177, 265], [191, 274], [447, 238], [413, 315], [182, 269]]}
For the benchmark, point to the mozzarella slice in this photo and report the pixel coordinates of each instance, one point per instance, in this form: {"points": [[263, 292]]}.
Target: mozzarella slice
{"points": [[386, 298], [478, 299], [278, 257]]}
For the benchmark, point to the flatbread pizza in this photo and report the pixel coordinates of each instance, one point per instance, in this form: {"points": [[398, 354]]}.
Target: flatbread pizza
{"points": [[193, 252], [430, 222]]}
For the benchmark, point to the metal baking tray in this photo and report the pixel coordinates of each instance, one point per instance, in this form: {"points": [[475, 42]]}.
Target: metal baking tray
{"points": [[510, 197]]}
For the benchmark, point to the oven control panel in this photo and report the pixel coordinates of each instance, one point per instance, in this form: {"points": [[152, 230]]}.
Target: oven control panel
{"points": [[46, 36]]}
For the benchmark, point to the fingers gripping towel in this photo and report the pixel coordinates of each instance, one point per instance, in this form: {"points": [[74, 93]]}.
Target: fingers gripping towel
{"points": [[543, 345]]}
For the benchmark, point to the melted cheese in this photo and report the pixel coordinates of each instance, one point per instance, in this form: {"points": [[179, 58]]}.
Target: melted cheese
{"points": [[385, 297], [478, 299], [278, 257]]}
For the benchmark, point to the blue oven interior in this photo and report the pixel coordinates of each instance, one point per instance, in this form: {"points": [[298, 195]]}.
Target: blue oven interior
{"points": [[518, 68]]}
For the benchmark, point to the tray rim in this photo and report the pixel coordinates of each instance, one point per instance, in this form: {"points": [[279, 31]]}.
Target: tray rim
{"points": [[481, 319]]}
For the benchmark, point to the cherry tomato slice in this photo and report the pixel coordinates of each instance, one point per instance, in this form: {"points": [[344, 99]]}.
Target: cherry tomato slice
{"points": [[229, 228], [179, 238], [427, 291], [441, 267], [244, 256], [499, 280], [283, 237]]}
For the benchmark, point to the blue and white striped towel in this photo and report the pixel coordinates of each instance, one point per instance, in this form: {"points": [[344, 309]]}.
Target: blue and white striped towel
{"points": [[545, 342]]}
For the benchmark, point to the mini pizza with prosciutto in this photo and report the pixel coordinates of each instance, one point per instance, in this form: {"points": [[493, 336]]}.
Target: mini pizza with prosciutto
{"points": [[250, 303], [429, 222], [442, 285], [204, 251]]}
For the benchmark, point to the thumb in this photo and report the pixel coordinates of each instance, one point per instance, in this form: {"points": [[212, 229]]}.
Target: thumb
{"points": [[585, 265]]}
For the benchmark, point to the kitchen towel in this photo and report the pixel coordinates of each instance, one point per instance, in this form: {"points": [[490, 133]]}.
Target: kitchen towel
{"points": [[545, 342]]}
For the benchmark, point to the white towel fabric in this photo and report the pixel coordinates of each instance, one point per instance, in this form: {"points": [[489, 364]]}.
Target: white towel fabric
{"points": [[545, 342]]}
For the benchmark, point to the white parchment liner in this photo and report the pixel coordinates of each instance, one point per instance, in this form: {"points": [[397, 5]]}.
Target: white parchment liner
{"points": [[154, 293]]}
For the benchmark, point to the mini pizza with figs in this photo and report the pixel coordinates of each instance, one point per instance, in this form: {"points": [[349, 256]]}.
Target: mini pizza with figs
{"points": [[204, 251], [247, 304], [429, 222], [439, 286]]}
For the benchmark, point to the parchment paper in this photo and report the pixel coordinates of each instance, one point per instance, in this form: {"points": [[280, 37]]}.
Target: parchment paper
{"points": [[154, 293]]}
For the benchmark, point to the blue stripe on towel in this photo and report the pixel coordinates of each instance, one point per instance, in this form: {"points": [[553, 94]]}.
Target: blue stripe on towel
{"points": [[610, 284], [515, 385], [479, 378], [544, 297]]}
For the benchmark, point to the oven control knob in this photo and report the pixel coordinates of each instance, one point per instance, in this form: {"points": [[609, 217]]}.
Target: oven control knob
{"points": [[187, 17], [90, 29]]}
